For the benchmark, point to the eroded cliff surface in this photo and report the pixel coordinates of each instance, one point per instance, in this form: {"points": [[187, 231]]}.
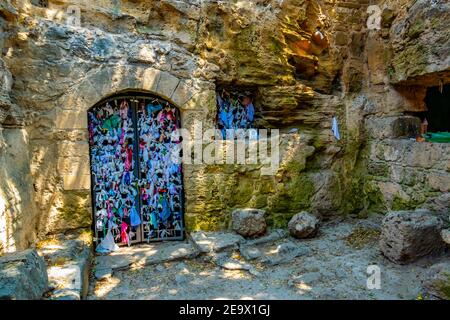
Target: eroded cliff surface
{"points": [[305, 62]]}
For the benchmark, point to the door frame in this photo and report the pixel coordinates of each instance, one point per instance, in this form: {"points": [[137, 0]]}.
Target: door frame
{"points": [[136, 95]]}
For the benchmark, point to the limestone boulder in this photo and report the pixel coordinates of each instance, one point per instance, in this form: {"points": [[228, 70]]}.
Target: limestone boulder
{"points": [[215, 241], [249, 222], [445, 233], [23, 276], [68, 265], [437, 281], [409, 235], [303, 225]]}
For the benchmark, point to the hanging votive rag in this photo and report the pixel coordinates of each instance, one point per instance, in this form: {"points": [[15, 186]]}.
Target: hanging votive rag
{"points": [[335, 129], [135, 220], [107, 244]]}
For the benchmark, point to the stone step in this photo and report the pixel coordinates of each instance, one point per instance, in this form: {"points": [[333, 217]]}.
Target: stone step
{"points": [[68, 262], [23, 276], [143, 255]]}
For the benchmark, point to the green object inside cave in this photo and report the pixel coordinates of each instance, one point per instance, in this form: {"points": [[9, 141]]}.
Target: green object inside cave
{"points": [[440, 137]]}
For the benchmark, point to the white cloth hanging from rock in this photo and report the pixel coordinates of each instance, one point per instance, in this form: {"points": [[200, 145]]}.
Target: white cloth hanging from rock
{"points": [[335, 129]]}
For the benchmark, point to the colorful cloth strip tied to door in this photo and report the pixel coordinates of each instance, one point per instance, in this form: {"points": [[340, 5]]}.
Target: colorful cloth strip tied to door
{"points": [[161, 180], [136, 170]]}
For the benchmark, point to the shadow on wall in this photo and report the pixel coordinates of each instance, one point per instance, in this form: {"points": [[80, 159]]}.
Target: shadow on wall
{"points": [[17, 211]]}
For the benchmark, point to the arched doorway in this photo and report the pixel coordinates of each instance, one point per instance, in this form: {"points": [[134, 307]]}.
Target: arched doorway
{"points": [[137, 182]]}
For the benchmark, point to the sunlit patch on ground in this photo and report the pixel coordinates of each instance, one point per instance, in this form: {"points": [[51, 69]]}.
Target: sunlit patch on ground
{"points": [[331, 269]]}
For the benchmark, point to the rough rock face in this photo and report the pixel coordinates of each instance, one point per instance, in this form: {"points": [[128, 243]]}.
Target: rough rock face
{"points": [[303, 225], [184, 51], [304, 61], [68, 259], [409, 235], [420, 42], [406, 57], [438, 281], [23, 276], [249, 222], [17, 229], [18, 214], [445, 233], [209, 242]]}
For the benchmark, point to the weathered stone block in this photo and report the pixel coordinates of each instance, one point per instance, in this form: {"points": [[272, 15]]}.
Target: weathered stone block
{"points": [[409, 235], [215, 241], [74, 165], [439, 181], [437, 282], [73, 149], [72, 210], [303, 225], [68, 262], [249, 222], [182, 94], [23, 276], [147, 255], [284, 253], [68, 119], [411, 153], [150, 79], [250, 252], [393, 127], [167, 84]]}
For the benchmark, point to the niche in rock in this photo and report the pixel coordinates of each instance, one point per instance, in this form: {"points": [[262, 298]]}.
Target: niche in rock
{"points": [[438, 105], [235, 110]]}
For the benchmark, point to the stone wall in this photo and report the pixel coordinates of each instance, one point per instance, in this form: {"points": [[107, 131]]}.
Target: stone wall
{"points": [[183, 51], [18, 215], [409, 54]]}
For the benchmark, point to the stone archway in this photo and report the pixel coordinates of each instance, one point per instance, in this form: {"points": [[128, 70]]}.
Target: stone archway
{"points": [[69, 206], [103, 83]]}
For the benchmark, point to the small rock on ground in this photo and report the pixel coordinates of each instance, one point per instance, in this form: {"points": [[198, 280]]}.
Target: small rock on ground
{"points": [[445, 234], [250, 252], [229, 263], [273, 236], [249, 222], [284, 253], [103, 274], [437, 282], [303, 225], [215, 241]]}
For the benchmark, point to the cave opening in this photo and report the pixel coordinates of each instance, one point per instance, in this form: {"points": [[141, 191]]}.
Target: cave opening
{"points": [[437, 101]]}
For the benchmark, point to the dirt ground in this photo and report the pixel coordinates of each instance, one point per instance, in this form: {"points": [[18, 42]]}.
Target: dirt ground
{"points": [[333, 265]]}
